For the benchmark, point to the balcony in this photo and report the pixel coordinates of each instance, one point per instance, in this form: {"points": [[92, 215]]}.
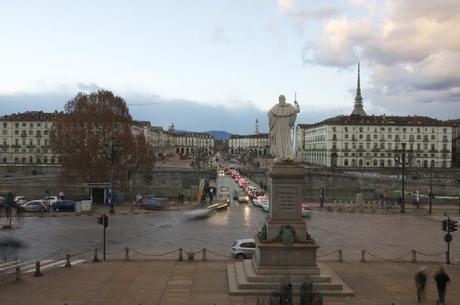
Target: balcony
{"points": [[23, 135], [397, 140], [445, 151], [38, 135], [426, 140], [382, 139], [375, 149]]}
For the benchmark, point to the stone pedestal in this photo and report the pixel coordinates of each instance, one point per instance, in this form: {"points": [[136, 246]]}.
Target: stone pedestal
{"points": [[286, 194], [283, 247]]}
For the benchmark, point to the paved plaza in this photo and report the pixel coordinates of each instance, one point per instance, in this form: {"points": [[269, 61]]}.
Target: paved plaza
{"points": [[167, 282]]}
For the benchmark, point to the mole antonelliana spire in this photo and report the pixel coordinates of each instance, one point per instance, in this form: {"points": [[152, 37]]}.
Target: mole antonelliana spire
{"points": [[358, 109]]}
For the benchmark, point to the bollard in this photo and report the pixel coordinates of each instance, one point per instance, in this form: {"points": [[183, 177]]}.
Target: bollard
{"points": [[95, 259], [67, 261], [414, 256], [191, 255], [37, 269], [363, 256], [340, 255], [18, 274], [181, 256], [203, 257], [126, 254]]}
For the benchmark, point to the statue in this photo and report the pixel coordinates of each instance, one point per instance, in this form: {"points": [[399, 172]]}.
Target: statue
{"points": [[281, 120]]}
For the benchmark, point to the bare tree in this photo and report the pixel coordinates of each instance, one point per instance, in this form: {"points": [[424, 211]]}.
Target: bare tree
{"points": [[83, 134]]}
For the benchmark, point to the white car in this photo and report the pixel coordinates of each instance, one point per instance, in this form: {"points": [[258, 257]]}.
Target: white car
{"points": [[34, 206], [243, 248], [260, 200], [50, 200], [20, 199]]}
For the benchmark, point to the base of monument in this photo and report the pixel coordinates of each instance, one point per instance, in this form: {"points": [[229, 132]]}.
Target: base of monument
{"points": [[247, 278], [295, 255]]}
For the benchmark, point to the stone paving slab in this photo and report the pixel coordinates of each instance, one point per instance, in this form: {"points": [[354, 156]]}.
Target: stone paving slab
{"points": [[205, 283]]}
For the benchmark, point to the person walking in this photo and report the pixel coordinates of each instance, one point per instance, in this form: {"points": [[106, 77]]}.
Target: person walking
{"points": [[420, 282], [441, 279]]}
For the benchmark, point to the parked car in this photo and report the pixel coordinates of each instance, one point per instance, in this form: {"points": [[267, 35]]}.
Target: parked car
{"points": [[64, 206], [150, 202], [243, 248], [306, 210], [20, 200], [34, 206], [50, 200], [260, 200], [266, 206]]}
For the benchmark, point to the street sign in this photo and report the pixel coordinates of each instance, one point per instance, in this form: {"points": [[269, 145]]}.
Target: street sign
{"points": [[448, 238]]}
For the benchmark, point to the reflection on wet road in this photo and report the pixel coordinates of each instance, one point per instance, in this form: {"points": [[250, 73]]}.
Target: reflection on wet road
{"points": [[387, 235]]}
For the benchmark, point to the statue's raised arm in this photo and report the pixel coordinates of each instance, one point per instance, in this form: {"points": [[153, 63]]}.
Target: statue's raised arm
{"points": [[281, 118]]}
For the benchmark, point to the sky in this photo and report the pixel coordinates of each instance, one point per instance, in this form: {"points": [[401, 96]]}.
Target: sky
{"points": [[220, 65]]}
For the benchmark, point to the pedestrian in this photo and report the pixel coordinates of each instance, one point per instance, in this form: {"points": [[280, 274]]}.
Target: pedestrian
{"points": [[441, 279], [420, 282]]}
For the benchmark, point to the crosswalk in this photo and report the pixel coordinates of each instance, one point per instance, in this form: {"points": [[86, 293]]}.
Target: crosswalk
{"points": [[29, 266]]}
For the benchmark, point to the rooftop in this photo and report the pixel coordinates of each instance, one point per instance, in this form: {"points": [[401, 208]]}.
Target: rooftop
{"points": [[31, 116], [414, 120]]}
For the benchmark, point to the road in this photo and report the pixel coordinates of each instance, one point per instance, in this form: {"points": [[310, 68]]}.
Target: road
{"points": [[384, 235]]}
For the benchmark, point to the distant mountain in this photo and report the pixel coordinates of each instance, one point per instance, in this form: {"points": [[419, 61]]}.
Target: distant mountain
{"points": [[219, 135]]}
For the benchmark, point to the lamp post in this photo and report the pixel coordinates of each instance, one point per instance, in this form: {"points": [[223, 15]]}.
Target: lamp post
{"points": [[404, 160]]}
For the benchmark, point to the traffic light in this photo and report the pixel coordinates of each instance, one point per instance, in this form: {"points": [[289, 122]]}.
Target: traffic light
{"points": [[103, 220], [444, 225], [10, 198], [452, 225]]}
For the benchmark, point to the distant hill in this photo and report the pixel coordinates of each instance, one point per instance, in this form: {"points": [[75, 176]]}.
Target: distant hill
{"points": [[219, 135]]}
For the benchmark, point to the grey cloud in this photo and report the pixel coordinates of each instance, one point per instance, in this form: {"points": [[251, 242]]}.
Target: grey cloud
{"points": [[185, 114], [90, 87]]}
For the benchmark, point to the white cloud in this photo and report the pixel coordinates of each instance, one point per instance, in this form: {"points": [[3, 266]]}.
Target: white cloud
{"points": [[286, 5], [412, 48]]}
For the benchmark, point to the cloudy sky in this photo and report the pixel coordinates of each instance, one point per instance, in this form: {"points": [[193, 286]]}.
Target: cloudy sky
{"points": [[215, 64]]}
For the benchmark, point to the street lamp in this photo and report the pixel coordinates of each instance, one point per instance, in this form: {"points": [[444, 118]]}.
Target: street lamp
{"points": [[113, 156], [404, 160]]}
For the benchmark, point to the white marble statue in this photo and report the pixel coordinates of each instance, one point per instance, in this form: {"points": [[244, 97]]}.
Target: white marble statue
{"points": [[281, 120]]}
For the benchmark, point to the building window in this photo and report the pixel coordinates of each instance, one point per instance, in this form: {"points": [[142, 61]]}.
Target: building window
{"points": [[345, 162], [4, 159], [389, 162], [24, 124], [4, 131], [433, 137], [374, 162], [444, 130], [16, 132]]}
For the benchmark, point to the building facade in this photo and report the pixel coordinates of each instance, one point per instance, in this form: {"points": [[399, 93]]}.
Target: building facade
{"points": [[258, 144], [25, 138], [191, 143], [376, 141], [360, 140], [161, 141]]}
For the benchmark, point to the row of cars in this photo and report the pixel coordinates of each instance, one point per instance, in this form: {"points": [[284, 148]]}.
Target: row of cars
{"points": [[42, 205]]}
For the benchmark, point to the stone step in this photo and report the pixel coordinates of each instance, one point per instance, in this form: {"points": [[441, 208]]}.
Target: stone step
{"points": [[237, 281], [273, 285], [291, 270], [252, 276]]}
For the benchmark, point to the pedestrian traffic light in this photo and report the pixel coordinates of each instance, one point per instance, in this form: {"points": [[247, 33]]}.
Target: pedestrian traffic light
{"points": [[103, 220], [452, 225], [444, 225]]}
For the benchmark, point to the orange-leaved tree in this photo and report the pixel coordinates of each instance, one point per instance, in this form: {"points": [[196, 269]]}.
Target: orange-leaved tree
{"points": [[93, 138]]}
